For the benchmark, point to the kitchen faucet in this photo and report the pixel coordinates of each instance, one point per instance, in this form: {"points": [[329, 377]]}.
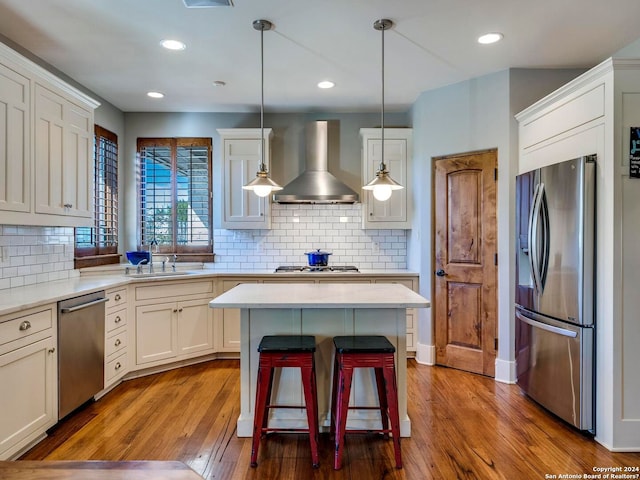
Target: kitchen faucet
{"points": [[151, 244], [175, 257]]}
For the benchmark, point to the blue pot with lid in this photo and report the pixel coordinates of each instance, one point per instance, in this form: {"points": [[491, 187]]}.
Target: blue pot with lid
{"points": [[318, 258]]}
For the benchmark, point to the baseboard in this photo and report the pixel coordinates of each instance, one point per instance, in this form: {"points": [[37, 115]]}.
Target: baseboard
{"points": [[505, 371], [426, 354]]}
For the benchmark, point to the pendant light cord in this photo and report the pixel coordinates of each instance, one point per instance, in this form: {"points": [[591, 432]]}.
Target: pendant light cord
{"points": [[263, 167], [383, 167]]}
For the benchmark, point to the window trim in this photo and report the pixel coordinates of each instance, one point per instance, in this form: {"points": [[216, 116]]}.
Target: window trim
{"points": [[185, 252], [99, 254]]}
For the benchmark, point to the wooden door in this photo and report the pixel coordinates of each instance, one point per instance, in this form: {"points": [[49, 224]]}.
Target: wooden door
{"points": [[465, 270]]}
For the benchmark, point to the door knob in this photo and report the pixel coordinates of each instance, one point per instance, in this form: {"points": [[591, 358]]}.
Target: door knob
{"points": [[441, 273]]}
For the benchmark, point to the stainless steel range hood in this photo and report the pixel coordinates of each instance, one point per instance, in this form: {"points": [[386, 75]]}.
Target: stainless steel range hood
{"points": [[316, 184]]}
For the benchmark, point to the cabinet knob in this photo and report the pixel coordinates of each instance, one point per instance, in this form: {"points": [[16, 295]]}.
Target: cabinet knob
{"points": [[26, 325], [117, 298], [117, 319], [118, 366], [180, 309], [118, 342], [52, 350], [175, 310]]}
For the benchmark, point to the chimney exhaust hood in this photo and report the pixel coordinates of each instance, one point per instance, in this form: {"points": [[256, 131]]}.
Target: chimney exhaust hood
{"points": [[316, 184]]}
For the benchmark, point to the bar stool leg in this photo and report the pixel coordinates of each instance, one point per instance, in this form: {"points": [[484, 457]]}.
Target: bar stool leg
{"points": [[392, 401], [311, 403], [264, 375], [334, 395], [344, 392], [382, 399]]}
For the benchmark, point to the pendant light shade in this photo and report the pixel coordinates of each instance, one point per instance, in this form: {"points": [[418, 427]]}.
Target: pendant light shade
{"points": [[382, 185], [262, 185]]}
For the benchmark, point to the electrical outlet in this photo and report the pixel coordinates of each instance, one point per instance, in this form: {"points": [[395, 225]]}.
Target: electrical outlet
{"points": [[375, 247]]}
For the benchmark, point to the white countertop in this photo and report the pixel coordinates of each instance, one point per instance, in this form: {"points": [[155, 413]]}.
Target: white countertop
{"points": [[321, 295], [22, 298]]}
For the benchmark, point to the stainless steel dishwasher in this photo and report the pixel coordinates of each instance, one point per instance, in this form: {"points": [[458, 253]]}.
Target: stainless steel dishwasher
{"points": [[80, 350]]}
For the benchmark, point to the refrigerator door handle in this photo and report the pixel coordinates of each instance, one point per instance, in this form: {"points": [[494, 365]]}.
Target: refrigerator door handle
{"points": [[543, 266], [534, 214], [544, 326]]}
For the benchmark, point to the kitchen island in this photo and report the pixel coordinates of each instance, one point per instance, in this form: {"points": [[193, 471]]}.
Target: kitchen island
{"points": [[322, 310]]}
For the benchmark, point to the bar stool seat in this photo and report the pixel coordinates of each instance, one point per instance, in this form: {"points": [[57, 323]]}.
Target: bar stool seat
{"points": [[364, 351], [277, 351]]}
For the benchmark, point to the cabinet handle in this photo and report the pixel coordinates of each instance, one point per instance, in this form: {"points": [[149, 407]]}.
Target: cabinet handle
{"points": [[118, 366], [117, 297], [52, 350], [117, 319], [175, 310], [68, 205], [26, 325], [180, 309], [118, 342]]}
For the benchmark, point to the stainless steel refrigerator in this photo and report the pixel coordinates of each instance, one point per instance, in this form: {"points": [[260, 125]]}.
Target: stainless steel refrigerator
{"points": [[555, 324]]}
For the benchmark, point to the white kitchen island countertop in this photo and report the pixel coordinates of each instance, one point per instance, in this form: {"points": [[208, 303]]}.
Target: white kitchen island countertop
{"points": [[322, 295]]}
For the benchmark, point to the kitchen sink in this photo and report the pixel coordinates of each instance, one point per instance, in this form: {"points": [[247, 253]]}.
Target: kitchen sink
{"points": [[157, 274]]}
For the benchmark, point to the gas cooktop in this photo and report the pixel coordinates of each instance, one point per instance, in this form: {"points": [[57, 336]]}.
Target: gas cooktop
{"points": [[306, 268]]}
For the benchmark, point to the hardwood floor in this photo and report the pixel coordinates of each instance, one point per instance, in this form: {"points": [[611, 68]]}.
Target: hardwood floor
{"points": [[464, 426]]}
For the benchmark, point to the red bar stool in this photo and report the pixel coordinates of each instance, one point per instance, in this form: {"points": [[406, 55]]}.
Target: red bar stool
{"points": [[364, 351], [278, 351]]}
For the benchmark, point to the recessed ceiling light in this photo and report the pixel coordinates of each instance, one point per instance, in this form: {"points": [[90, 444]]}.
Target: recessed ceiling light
{"points": [[488, 38], [326, 84], [155, 94], [173, 44]]}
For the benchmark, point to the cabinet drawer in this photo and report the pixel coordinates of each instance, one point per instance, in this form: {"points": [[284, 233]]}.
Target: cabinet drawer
{"points": [[117, 298], [115, 343], [23, 326], [178, 290], [116, 367], [115, 320]]}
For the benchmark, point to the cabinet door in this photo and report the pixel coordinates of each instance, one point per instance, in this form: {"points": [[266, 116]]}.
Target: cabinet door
{"points": [[15, 127], [228, 322], [195, 327], [395, 155], [156, 332], [29, 399], [243, 209], [395, 212], [63, 156]]}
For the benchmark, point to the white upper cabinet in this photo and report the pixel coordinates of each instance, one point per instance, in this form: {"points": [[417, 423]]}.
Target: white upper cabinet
{"points": [[243, 209], [63, 155], [46, 168], [395, 212], [15, 132]]}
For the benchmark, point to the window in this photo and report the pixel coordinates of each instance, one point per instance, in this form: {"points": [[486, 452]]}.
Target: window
{"points": [[174, 196], [98, 245]]}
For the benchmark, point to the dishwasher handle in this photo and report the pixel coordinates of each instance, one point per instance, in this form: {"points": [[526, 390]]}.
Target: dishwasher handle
{"points": [[84, 305]]}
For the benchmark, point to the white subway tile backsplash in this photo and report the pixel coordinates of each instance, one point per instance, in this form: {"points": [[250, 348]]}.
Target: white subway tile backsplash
{"points": [[297, 229], [33, 255]]}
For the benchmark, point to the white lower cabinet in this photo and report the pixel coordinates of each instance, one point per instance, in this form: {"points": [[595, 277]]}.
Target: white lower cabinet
{"points": [[227, 320], [28, 378], [179, 327], [116, 340]]}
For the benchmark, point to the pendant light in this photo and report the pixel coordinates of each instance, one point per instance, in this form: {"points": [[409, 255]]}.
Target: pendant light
{"points": [[383, 184], [262, 185]]}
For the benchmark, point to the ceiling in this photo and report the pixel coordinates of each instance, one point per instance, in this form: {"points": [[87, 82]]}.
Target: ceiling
{"points": [[112, 47]]}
